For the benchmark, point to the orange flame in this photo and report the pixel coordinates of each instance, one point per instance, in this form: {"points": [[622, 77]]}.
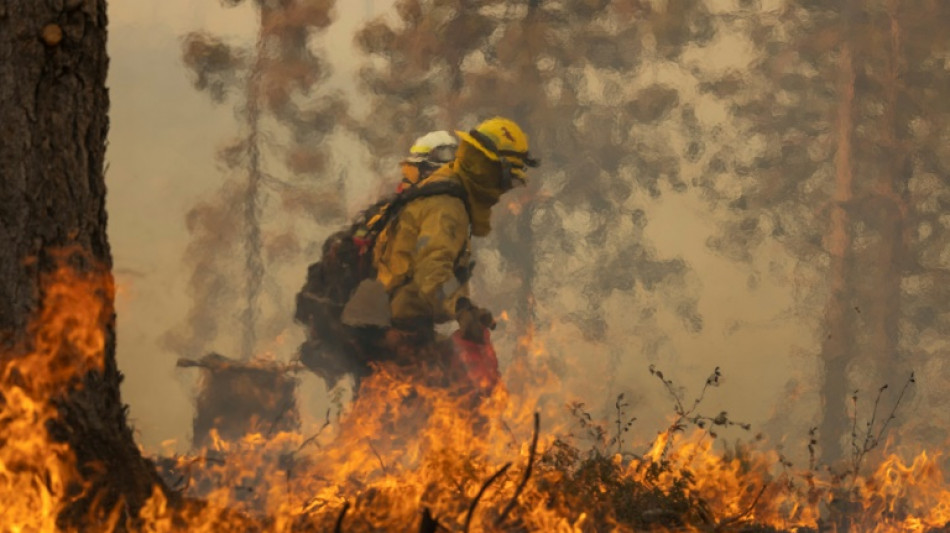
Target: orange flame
{"points": [[37, 474], [409, 443]]}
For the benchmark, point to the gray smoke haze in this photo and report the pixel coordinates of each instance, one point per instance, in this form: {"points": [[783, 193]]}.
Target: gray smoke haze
{"points": [[178, 184], [275, 88], [627, 103], [609, 113], [214, 227], [844, 137], [693, 208]]}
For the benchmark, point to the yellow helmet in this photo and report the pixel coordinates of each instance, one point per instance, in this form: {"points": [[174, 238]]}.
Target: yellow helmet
{"points": [[502, 140]]}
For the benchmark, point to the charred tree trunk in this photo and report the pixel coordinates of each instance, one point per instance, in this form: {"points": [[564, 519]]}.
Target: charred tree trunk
{"points": [[53, 125]]}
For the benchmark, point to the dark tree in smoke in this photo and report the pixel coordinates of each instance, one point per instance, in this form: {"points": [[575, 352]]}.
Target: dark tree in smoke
{"points": [[846, 103], [560, 68], [797, 104], [276, 88]]}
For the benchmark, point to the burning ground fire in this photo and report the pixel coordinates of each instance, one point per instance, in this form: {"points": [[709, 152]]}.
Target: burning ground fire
{"points": [[408, 455]]}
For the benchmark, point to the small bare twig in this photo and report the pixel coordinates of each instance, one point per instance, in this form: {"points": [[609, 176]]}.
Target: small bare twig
{"points": [[338, 528], [877, 403], [687, 415], [668, 383], [871, 440], [711, 381], [527, 473], [481, 492], [313, 438], [622, 422], [911, 380], [855, 451], [378, 457]]}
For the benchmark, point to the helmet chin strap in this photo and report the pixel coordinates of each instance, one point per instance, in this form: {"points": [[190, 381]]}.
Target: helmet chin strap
{"points": [[506, 179]]}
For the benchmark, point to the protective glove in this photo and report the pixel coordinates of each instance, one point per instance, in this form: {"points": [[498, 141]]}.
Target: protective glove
{"points": [[473, 320]]}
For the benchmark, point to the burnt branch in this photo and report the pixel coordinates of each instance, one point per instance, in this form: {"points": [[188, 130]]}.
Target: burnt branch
{"points": [[315, 436], [481, 492], [338, 527], [429, 523], [527, 473]]}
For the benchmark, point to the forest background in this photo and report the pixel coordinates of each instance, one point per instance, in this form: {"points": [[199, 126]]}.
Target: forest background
{"points": [[753, 185]]}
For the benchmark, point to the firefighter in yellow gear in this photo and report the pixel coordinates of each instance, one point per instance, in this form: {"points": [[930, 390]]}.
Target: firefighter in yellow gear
{"points": [[423, 257], [427, 154]]}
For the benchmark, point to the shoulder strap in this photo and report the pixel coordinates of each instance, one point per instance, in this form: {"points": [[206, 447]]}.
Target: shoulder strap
{"points": [[448, 188]]}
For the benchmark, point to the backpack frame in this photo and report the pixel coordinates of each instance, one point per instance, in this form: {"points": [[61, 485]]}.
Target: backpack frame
{"points": [[347, 260]]}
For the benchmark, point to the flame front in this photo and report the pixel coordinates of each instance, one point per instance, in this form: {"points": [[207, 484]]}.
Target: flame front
{"points": [[408, 445]]}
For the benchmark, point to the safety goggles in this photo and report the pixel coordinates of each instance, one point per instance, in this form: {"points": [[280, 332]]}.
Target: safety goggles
{"points": [[507, 176], [437, 156]]}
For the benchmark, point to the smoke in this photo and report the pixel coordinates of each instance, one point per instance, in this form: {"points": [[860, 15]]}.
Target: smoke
{"points": [[606, 111], [276, 87], [636, 107], [830, 181], [682, 211], [214, 227]]}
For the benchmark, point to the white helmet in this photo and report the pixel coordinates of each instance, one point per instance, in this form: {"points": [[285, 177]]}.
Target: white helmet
{"points": [[435, 147]]}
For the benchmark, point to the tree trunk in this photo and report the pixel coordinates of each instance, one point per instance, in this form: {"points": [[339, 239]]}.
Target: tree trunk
{"points": [[53, 125], [890, 216], [253, 261], [837, 345], [885, 161]]}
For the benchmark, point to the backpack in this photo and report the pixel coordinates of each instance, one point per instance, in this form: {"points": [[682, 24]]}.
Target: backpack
{"points": [[332, 349]]}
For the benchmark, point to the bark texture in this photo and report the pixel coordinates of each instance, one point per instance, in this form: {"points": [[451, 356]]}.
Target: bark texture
{"points": [[53, 125]]}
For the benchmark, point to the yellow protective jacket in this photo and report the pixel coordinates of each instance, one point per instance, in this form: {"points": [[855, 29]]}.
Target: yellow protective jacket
{"points": [[423, 258]]}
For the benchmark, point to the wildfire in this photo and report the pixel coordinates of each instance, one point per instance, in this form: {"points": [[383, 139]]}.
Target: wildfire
{"points": [[37, 474], [408, 447], [915, 495]]}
